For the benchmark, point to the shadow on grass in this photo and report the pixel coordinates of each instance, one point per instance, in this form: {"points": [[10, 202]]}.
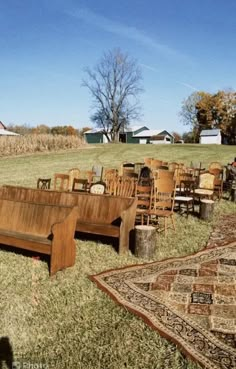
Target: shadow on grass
{"points": [[6, 353], [113, 241]]}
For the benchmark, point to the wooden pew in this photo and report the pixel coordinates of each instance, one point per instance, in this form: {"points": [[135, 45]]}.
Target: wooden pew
{"points": [[106, 215], [42, 228]]}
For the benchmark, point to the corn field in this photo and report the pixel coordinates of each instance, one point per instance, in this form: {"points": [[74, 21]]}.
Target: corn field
{"points": [[37, 143]]}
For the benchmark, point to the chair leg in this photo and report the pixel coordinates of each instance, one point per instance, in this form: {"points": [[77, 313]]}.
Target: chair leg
{"points": [[165, 223], [173, 221]]}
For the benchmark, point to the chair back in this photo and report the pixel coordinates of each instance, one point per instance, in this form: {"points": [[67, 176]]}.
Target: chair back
{"points": [[98, 188], [124, 186], [162, 173], [61, 182], [147, 161], [44, 183], [206, 181], [215, 165], [126, 168], [163, 194], [73, 173], [98, 170], [155, 163], [143, 195], [80, 185]]}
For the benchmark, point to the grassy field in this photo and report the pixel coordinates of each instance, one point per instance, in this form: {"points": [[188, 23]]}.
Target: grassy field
{"points": [[66, 321]]}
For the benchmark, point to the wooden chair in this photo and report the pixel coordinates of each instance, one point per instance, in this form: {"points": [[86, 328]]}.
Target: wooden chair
{"points": [[124, 186], [73, 173], [143, 195], [206, 186], [90, 175], [44, 183], [110, 176], [215, 165], [126, 167], [162, 173], [172, 166], [147, 162], [218, 181], [155, 164], [61, 182], [80, 185], [98, 188], [109, 173], [185, 197], [162, 203], [98, 170]]}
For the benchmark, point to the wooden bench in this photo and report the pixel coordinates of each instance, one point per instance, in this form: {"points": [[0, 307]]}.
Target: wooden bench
{"points": [[106, 215], [42, 228]]}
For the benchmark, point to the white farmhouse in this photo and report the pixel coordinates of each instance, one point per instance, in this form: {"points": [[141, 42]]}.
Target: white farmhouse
{"points": [[210, 136]]}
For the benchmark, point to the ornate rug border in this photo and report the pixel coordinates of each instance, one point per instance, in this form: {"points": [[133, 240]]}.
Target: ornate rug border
{"points": [[100, 284]]}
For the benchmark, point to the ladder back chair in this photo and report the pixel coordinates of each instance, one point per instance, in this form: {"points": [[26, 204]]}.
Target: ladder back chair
{"points": [[143, 195], [162, 203]]}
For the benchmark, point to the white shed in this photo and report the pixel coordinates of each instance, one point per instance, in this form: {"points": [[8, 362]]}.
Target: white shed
{"points": [[210, 136]]}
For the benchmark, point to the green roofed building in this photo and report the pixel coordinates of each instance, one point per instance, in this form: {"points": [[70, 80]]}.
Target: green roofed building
{"points": [[94, 136]]}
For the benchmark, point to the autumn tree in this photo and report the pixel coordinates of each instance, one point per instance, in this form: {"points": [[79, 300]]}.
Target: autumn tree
{"points": [[218, 111], [189, 111], [64, 130], [114, 84], [177, 136]]}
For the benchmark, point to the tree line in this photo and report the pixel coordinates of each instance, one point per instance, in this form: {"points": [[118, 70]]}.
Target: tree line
{"points": [[44, 129]]}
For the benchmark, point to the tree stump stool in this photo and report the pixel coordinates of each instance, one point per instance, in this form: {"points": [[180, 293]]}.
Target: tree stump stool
{"points": [[233, 191], [145, 241], [233, 194], [206, 209]]}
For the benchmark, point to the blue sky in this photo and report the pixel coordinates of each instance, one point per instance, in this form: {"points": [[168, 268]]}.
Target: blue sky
{"points": [[181, 45]]}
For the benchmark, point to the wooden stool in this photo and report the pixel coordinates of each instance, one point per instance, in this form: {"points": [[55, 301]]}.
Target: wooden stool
{"points": [[206, 209], [145, 241]]}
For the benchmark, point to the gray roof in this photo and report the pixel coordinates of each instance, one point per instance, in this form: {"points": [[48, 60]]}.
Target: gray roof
{"points": [[210, 132], [151, 132], [129, 129]]}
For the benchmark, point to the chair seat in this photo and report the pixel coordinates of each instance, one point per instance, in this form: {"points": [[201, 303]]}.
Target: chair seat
{"points": [[200, 191], [161, 213], [183, 198]]}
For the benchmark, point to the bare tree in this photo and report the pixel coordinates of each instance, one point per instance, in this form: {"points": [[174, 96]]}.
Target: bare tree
{"points": [[114, 85]]}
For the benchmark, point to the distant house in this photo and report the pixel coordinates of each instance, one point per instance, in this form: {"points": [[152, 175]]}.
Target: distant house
{"points": [[210, 136], [155, 137], [94, 136], [5, 132]]}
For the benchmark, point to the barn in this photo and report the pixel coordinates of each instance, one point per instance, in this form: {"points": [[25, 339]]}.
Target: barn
{"points": [[155, 137], [5, 132], [210, 136], [94, 136]]}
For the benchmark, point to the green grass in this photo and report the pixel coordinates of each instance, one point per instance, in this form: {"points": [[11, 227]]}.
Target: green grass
{"points": [[66, 321]]}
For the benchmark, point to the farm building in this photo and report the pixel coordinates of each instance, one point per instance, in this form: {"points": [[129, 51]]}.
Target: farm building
{"points": [[5, 132], [128, 136], [154, 136], [210, 136]]}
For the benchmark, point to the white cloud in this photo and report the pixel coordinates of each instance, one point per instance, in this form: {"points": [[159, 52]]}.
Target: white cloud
{"points": [[188, 86], [108, 25], [149, 67]]}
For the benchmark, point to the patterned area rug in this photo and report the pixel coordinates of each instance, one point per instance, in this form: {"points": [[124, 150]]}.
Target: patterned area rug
{"points": [[225, 231], [190, 300]]}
